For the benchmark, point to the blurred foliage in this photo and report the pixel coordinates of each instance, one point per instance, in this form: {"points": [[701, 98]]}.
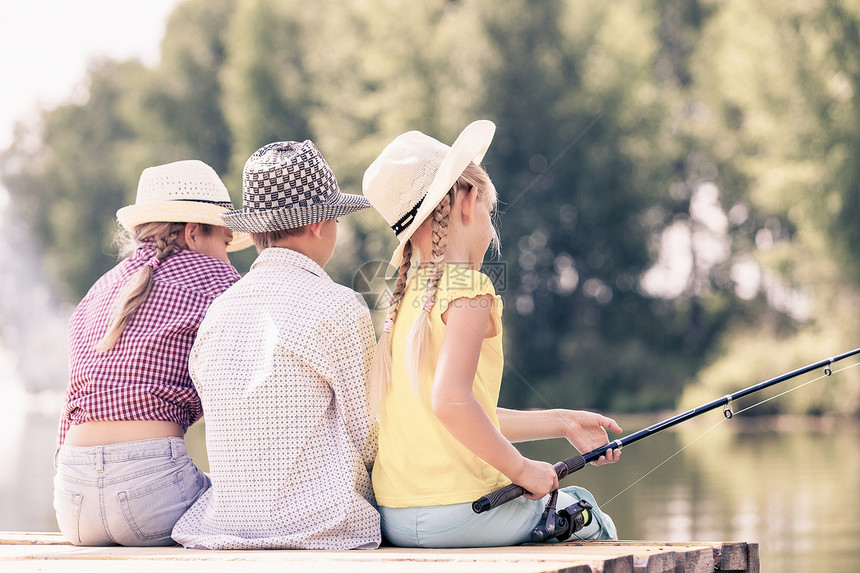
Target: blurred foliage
{"points": [[678, 177]]}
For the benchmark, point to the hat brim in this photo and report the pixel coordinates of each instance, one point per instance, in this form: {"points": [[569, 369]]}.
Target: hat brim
{"points": [[266, 220], [180, 212], [470, 147]]}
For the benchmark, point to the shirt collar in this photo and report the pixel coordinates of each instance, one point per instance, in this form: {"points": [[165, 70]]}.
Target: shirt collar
{"points": [[144, 250], [283, 255], [147, 249]]}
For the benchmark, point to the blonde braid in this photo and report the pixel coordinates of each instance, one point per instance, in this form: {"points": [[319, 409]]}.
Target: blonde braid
{"points": [[400, 286], [137, 288], [417, 361], [164, 245], [380, 368]]}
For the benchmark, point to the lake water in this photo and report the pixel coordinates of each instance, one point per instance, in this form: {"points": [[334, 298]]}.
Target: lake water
{"points": [[790, 486]]}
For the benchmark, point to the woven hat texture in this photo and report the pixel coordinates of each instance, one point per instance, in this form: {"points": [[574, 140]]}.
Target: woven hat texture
{"points": [[186, 191], [415, 171], [288, 184]]}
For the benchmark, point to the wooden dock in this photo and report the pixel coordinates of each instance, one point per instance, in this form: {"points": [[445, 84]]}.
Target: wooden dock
{"points": [[50, 553]]}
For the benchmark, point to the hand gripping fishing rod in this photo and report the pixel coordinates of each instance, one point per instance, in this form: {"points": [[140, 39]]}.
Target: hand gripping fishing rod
{"points": [[576, 463]]}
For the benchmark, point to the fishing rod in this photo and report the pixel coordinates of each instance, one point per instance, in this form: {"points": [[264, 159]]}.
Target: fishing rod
{"points": [[576, 463]]}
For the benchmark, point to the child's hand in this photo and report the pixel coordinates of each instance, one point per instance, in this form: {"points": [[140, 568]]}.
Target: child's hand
{"points": [[609, 457], [586, 431], [537, 478]]}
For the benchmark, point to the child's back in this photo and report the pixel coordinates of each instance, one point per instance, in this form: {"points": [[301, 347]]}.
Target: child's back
{"points": [[281, 366], [276, 369], [436, 375], [414, 444]]}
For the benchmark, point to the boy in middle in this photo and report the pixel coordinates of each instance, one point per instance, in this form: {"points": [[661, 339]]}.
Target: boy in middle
{"points": [[281, 363]]}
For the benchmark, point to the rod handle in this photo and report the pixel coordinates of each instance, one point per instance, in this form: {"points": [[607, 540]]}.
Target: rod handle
{"points": [[568, 466], [497, 498], [512, 491]]}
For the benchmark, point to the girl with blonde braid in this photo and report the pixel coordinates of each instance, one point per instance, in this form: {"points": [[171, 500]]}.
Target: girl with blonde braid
{"points": [[435, 380], [123, 473]]}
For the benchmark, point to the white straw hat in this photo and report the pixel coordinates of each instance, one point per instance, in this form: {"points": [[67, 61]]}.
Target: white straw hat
{"points": [[288, 184], [181, 192], [414, 172]]}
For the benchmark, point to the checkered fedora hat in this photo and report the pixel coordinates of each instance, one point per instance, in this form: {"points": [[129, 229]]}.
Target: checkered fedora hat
{"points": [[288, 184]]}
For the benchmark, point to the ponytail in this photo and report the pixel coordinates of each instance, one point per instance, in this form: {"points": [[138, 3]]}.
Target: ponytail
{"points": [[380, 368], [417, 359], [137, 288]]}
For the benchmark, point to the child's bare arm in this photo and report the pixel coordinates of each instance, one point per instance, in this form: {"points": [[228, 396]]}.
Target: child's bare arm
{"points": [[456, 407], [585, 430]]}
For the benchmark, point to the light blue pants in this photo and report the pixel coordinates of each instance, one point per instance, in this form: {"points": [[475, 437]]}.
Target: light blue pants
{"points": [[131, 493], [509, 524]]}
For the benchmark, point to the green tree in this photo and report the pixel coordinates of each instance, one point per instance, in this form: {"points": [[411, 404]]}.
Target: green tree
{"points": [[378, 69], [579, 161], [178, 111], [69, 184], [779, 82], [616, 123], [268, 91]]}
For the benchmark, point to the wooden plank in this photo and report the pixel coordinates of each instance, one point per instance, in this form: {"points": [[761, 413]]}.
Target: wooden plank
{"points": [[664, 563], [697, 561], [31, 538], [753, 559], [50, 553], [694, 557], [738, 557], [623, 564], [733, 557]]}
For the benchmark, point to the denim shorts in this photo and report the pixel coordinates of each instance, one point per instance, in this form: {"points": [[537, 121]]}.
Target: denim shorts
{"points": [[131, 493], [457, 525]]}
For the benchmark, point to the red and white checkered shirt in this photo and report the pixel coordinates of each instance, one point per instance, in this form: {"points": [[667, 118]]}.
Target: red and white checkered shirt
{"points": [[145, 376]]}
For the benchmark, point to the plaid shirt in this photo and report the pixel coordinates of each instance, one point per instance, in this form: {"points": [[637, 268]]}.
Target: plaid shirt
{"points": [[145, 376]]}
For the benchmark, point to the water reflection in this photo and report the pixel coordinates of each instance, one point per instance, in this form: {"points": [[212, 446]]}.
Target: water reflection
{"points": [[795, 491], [32, 377], [27, 437]]}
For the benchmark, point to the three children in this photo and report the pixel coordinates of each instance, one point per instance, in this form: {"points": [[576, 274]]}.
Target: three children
{"points": [[282, 360]]}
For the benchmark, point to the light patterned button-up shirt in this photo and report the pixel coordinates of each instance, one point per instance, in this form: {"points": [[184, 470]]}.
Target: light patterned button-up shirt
{"points": [[281, 364]]}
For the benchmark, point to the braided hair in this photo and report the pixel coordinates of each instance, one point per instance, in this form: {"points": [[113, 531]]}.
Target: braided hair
{"points": [[380, 368], [417, 361], [137, 288], [416, 343]]}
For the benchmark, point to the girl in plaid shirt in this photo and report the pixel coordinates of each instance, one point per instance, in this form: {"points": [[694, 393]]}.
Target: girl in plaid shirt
{"points": [[123, 472]]}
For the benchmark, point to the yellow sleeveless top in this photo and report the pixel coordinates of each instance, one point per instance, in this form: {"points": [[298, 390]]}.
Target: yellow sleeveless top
{"points": [[419, 462]]}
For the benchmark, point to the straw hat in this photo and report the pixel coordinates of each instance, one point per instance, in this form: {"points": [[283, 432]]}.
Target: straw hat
{"points": [[414, 172], [181, 192], [288, 184]]}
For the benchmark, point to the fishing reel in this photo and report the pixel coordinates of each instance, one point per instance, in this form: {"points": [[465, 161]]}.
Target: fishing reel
{"points": [[561, 524]]}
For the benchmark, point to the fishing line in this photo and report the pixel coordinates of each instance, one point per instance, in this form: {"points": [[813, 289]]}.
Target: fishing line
{"points": [[723, 419], [664, 461], [797, 387]]}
